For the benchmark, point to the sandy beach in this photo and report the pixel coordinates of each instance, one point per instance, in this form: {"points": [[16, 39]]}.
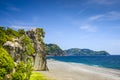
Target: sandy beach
{"points": [[72, 71]]}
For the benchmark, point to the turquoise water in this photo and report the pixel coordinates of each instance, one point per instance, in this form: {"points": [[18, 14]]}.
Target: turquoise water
{"points": [[112, 61]]}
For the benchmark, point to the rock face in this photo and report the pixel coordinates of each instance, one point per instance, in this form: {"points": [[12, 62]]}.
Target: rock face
{"points": [[29, 45], [14, 49], [40, 55]]}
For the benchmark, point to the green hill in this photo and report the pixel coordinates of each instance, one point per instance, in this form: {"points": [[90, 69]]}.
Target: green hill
{"points": [[53, 49], [77, 51]]}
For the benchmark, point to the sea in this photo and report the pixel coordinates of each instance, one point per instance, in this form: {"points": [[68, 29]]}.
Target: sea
{"points": [[111, 61]]}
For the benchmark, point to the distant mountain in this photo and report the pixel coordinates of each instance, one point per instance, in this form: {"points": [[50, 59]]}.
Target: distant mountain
{"points": [[77, 51], [54, 50]]}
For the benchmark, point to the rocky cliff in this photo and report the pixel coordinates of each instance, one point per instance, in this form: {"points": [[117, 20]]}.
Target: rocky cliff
{"points": [[28, 45], [36, 35]]}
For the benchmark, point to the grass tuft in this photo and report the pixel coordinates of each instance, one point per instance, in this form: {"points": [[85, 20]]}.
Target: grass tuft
{"points": [[38, 76]]}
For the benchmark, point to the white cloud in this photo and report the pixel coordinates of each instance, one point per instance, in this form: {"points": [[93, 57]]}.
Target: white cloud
{"points": [[113, 15], [28, 27], [104, 2], [96, 17], [85, 25], [82, 10], [88, 28], [17, 22]]}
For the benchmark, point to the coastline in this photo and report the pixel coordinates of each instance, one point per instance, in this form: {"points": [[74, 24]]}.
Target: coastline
{"points": [[72, 71]]}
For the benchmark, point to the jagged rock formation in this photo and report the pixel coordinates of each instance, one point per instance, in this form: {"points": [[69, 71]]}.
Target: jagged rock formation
{"points": [[36, 35], [14, 48], [29, 45]]}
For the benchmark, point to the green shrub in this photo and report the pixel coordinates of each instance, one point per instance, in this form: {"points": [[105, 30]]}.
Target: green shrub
{"points": [[6, 63], [18, 76], [23, 71], [21, 31], [28, 70], [12, 33], [27, 45]]}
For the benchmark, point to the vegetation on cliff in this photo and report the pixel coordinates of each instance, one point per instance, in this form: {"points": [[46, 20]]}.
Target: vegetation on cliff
{"points": [[21, 51], [6, 64], [7, 34]]}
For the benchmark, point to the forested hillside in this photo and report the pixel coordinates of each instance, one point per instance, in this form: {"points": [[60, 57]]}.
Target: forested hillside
{"points": [[84, 52], [54, 49]]}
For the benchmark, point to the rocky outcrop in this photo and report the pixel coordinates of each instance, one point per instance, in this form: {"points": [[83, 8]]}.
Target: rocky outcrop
{"points": [[14, 49], [21, 48], [40, 56]]}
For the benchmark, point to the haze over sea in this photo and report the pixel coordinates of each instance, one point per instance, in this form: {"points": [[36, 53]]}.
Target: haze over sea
{"points": [[112, 61]]}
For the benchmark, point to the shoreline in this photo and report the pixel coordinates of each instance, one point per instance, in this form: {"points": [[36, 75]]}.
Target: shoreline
{"points": [[97, 66], [59, 70]]}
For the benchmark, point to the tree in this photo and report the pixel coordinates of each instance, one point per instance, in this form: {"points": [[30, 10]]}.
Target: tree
{"points": [[3, 36], [21, 32]]}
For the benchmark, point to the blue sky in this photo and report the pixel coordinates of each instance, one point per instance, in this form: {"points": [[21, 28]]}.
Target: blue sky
{"points": [[93, 24]]}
